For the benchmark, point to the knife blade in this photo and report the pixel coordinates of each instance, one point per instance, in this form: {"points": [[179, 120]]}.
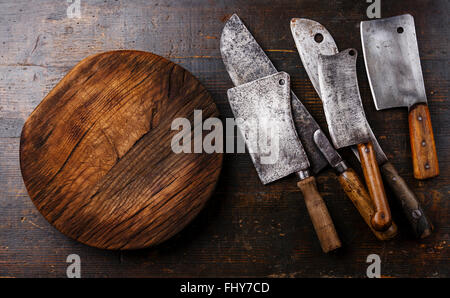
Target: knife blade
{"points": [[245, 61], [311, 39], [348, 126], [391, 55], [251, 70], [263, 112]]}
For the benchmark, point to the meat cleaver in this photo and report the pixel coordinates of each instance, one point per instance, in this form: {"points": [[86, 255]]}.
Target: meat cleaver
{"points": [[312, 39], [393, 66], [348, 125], [261, 103], [307, 42]]}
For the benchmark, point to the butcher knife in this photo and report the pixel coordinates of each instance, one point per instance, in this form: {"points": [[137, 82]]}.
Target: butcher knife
{"points": [[239, 51], [262, 109], [312, 39], [348, 125], [393, 66], [262, 100]]}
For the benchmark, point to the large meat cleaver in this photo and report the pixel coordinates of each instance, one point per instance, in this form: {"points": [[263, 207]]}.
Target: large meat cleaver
{"points": [[262, 109], [246, 63], [348, 125], [312, 39], [393, 66]]}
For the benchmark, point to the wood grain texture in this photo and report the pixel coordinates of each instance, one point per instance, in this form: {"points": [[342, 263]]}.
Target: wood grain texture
{"points": [[382, 218], [318, 212], [423, 147], [96, 154], [246, 229], [412, 209], [356, 191]]}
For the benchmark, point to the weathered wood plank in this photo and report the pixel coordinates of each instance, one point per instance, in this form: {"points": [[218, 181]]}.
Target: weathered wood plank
{"points": [[246, 229]]}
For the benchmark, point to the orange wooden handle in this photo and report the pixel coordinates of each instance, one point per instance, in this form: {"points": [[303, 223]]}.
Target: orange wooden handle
{"points": [[320, 217], [382, 219], [425, 161], [356, 191]]}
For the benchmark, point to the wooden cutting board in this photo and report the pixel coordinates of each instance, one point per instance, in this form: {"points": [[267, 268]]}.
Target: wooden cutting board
{"points": [[96, 153]]}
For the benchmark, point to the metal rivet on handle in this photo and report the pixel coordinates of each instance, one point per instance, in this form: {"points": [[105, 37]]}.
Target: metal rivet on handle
{"points": [[419, 118], [427, 166], [424, 143]]}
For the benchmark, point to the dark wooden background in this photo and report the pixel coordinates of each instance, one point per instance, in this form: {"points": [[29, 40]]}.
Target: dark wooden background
{"points": [[246, 229]]}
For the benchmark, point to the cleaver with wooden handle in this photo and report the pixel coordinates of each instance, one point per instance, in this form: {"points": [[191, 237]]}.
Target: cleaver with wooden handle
{"points": [[266, 110], [312, 39], [262, 109], [393, 66], [348, 125]]}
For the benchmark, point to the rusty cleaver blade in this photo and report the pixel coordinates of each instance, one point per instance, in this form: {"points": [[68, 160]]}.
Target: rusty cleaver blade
{"points": [[261, 103], [246, 61], [262, 110], [313, 39], [309, 39], [391, 55], [348, 125]]}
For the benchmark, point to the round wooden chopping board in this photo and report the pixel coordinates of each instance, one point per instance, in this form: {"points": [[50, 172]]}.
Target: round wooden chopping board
{"points": [[96, 153]]}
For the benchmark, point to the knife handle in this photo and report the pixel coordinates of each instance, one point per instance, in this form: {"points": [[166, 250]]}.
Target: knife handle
{"points": [[423, 148], [356, 191], [321, 219], [420, 223], [382, 219]]}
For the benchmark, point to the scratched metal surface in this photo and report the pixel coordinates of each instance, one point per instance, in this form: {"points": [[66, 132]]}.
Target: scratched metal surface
{"points": [[246, 61], [328, 151], [304, 32], [246, 229], [311, 40], [393, 62], [342, 103], [264, 108]]}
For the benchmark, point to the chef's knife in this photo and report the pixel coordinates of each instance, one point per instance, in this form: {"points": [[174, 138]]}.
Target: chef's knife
{"points": [[393, 66], [312, 39], [348, 125], [246, 62]]}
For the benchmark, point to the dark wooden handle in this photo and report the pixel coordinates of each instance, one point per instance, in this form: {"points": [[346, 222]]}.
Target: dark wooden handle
{"points": [[423, 148], [419, 222], [356, 191], [382, 217], [320, 217]]}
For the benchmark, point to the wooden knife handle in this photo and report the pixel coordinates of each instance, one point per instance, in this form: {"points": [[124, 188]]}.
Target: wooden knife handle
{"points": [[320, 217], [356, 191], [420, 223], [423, 148], [382, 218]]}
